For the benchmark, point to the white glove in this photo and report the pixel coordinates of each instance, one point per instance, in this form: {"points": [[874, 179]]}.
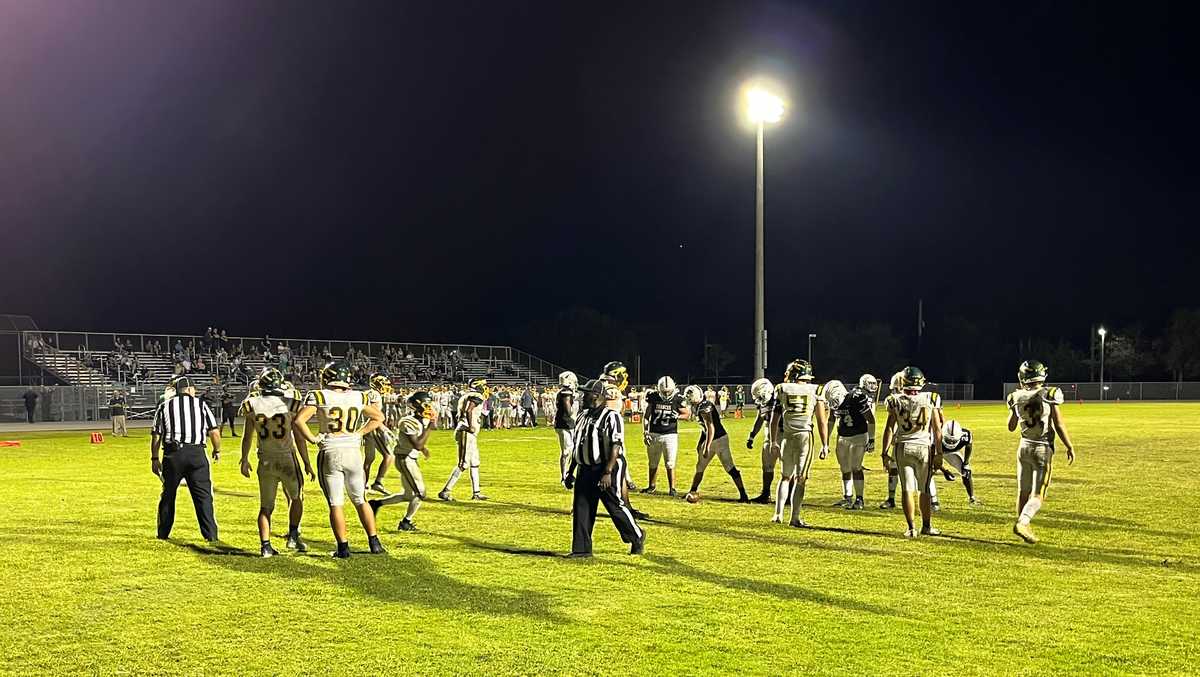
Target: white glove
{"points": [[824, 452]]}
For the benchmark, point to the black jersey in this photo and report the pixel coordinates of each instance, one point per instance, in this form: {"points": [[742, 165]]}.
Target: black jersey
{"points": [[662, 414], [963, 443], [854, 413], [564, 410], [714, 414]]}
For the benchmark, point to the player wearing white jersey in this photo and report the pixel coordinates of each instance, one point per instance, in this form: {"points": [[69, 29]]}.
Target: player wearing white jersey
{"points": [[382, 396], [895, 385], [914, 427], [470, 413], [800, 403], [268, 414], [762, 392], [1037, 409], [340, 414], [564, 419], [414, 430]]}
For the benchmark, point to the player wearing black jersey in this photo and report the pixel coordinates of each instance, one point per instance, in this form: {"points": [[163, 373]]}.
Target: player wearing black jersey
{"points": [[564, 418], [664, 408], [956, 455], [714, 441], [854, 412]]}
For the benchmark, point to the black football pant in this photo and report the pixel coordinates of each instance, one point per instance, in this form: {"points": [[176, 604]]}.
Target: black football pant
{"points": [[227, 416], [588, 494], [187, 462]]}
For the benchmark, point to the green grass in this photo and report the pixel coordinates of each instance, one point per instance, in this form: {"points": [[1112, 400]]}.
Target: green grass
{"points": [[1113, 587]]}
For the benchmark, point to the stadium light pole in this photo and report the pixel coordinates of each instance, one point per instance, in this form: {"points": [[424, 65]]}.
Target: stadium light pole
{"points": [[1102, 332], [761, 107]]}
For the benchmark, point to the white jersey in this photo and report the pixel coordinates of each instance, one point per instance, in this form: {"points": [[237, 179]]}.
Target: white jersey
{"points": [[799, 401], [272, 416], [409, 425], [339, 412], [914, 415], [471, 425], [1033, 409]]}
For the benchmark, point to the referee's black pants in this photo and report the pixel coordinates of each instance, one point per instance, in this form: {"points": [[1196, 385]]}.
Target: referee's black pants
{"points": [[187, 461], [588, 494]]}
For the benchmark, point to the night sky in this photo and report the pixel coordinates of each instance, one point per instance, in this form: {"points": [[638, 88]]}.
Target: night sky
{"points": [[461, 171]]}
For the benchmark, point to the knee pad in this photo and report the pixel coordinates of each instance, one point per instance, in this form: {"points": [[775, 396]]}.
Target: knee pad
{"points": [[966, 472]]}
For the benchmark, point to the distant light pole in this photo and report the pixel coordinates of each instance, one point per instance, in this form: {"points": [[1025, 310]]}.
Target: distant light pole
{"points": [[1102, 333], [761, 107], [810, 340]]}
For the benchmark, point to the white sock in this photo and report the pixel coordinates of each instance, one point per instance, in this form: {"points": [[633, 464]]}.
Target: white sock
{"points": [[847, 488], [933, 490], [453, 478], [859, 487], [781, 495], [1031, 508], [412, 508], [797, 500], [474, 479]]}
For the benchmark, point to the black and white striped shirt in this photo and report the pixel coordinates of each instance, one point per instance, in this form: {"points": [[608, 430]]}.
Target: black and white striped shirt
{"points": [[184, 419], [597, 432]]}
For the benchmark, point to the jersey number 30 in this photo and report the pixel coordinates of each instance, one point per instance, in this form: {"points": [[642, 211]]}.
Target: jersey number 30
{"points": [[340, 419]]}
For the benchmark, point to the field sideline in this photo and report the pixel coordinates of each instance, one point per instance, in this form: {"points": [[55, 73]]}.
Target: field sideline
{"points": [[1113, 588]]}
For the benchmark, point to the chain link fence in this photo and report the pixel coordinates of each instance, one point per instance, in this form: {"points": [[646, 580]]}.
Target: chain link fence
{"points": [[1125, 390]]}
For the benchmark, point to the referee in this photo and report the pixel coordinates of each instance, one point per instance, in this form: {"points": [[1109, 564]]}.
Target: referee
{"points": [[599, 457], [180, 425]]}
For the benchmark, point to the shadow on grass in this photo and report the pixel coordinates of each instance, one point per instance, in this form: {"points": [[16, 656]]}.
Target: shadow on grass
{"points": [[785, 591], [398, 578]]}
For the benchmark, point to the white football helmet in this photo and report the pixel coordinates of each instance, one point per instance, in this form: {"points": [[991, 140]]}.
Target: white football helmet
{"points": [[868, 383], [568, 379], [897, 383], [762, 391], [666, 387], [952, 433], [835, 392], [693, 394]]}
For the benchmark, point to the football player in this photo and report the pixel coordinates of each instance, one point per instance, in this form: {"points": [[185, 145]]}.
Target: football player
{"points": [[956, 454], [714, 441], [914, 433], [1037, 409], [414, 430], [470, 411], [340, 413], [617, 375], [791, 427], [564, 418], [762, 392], [268, 414], [855, 416], [382, 396], [664, 408], [889, 464]]}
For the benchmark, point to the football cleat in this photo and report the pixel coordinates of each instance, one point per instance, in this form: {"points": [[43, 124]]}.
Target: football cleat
{"points": [[931, 531], [268, 551], [1025, 531], [974, 501], [638, 547], [406, 525], [378, 488], [579, 555], [743, 499], [844, 503], [477, 496], [631, 486], [649, 489], [445, 495], [857, 504], [672, 493], [376, 546], [776, 519], [638, 514], [295, 543], [910, 533], [761, 499], [888, 504], [798, 523], [341, 553]]}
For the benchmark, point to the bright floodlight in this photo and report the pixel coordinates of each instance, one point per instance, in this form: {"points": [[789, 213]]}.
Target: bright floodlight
{"points": [[763, 106], [1102, 332]]}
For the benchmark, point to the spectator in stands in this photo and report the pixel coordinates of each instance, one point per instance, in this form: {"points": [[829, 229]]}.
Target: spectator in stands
{"points": [[31, 399]]}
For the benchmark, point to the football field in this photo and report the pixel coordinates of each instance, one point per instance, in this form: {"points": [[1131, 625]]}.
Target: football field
{"points": [[1114, 586]]}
